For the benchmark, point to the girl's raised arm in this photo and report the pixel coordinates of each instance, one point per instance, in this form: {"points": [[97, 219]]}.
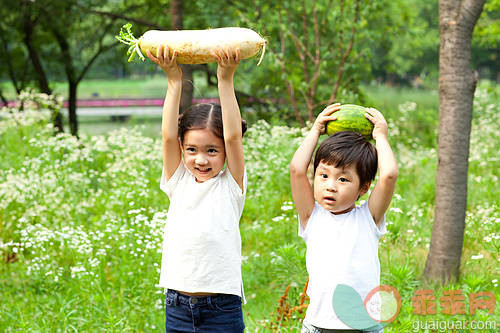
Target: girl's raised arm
{"points": [[228, 61], [170, 114]]}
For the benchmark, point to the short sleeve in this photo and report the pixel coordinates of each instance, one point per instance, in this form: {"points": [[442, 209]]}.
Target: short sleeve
{"points": [[380, 230], [233, 185], [303, 232], [169, 186]]}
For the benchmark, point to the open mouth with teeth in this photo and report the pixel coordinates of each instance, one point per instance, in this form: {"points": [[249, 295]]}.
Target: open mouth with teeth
{"points": [[203, 170]]}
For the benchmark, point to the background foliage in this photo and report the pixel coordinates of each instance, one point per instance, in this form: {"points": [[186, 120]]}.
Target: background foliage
{"points": [[395, 42], [81, 222]]}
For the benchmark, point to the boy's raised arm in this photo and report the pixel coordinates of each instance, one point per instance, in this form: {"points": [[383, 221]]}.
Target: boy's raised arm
{"points": [[302, 192], [381, 196], [231, 118], [170, 115]]}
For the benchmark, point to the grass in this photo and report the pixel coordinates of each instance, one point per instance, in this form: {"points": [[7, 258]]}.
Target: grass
{"points": [[122, 88], [416, 109], [149, 126], [81, 221], [390, 98], [152, 87]]}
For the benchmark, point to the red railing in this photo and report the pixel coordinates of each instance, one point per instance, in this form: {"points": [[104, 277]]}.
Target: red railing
{"points": [[88, 103]]}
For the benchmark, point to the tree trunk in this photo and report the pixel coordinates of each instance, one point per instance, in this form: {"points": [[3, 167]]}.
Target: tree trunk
{"points": [[187, 70], [457, 82], [71, 79], [43, 82], [73, 121], [4, 99], [58, 122]]}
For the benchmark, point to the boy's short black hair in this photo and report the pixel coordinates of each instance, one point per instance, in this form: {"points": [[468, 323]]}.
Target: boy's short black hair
{"points": [[345, 148]]}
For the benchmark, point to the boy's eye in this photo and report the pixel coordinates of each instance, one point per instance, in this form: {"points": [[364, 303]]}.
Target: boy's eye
{"points": [[190, 149], [323, 175], [212, 151], [343, 179]]}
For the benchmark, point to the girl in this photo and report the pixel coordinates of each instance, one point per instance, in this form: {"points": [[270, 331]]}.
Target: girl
{"points": [[201, 261]]}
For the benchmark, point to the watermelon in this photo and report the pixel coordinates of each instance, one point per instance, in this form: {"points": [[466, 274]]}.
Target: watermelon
{"points": [[351, 117]]}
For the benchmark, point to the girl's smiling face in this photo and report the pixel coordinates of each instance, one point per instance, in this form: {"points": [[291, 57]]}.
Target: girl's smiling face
{"points": [[204, 153]]}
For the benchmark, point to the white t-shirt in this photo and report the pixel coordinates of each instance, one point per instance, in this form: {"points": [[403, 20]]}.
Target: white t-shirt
{"points": [[202, 243], [341, 249]]}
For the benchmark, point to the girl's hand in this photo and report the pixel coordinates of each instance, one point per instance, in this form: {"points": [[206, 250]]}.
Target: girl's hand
{"points": [[378, 120], [228, 59], [325, 116], [167, 64]]}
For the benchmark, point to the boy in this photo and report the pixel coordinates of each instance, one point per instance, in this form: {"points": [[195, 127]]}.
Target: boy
{"points": [[341, 238]]}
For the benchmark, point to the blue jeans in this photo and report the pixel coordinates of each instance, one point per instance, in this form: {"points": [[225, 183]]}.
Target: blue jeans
{"points": [[215, 313]]}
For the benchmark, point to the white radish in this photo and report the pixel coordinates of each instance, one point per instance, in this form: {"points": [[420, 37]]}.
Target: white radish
{"points": [[194, 46]]}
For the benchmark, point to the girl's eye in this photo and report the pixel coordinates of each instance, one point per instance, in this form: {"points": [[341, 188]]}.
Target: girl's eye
{"points": [[212, 151], [190, 149], [324, 176], [343, 180]]}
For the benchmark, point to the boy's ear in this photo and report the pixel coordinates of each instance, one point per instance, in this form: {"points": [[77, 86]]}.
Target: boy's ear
{"points": [[364, 188]]}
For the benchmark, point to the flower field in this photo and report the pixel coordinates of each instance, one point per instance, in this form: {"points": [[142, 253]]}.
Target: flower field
{"points": [[81, 223]]}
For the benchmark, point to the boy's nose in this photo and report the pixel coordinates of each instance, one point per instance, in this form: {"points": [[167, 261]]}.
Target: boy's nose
{"points": [[331, 187]]}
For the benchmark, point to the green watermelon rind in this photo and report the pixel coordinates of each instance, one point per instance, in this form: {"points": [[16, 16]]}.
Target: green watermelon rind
{"points": [[351, 117]]}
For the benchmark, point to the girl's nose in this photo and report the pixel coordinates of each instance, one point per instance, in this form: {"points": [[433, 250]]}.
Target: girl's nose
{"points": [[201, 160]]}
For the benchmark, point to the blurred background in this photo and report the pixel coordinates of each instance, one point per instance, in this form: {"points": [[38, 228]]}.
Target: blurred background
{"points": [[81, 212], [352, 51]]}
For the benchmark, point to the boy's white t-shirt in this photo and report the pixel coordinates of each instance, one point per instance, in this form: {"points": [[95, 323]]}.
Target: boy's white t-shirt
{"points": [[341, 249], [202, 243]]}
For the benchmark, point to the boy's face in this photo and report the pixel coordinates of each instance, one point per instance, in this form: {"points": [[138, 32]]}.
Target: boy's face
{"points": [[337, 189], [204, 153]]}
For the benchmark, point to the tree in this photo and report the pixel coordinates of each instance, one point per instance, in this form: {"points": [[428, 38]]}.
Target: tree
{"points": [[63, 36], [187, 71], [487, 31], [409, 47], [486, 42], [318, 51], [80, 40], [12, 56], [44, 28], [19, 28], [457, 82]]}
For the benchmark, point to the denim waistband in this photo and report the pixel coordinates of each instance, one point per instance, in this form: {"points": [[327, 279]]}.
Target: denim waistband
{"points": [[179, 298]]}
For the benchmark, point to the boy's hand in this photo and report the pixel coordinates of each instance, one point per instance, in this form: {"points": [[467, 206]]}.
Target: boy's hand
{"points": [[325, 116], [167, 64], [228, 59], [378, 120]]}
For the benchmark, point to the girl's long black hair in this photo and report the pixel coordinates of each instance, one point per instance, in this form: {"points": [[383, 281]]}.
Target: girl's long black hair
{"points": [[201, 116]]}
